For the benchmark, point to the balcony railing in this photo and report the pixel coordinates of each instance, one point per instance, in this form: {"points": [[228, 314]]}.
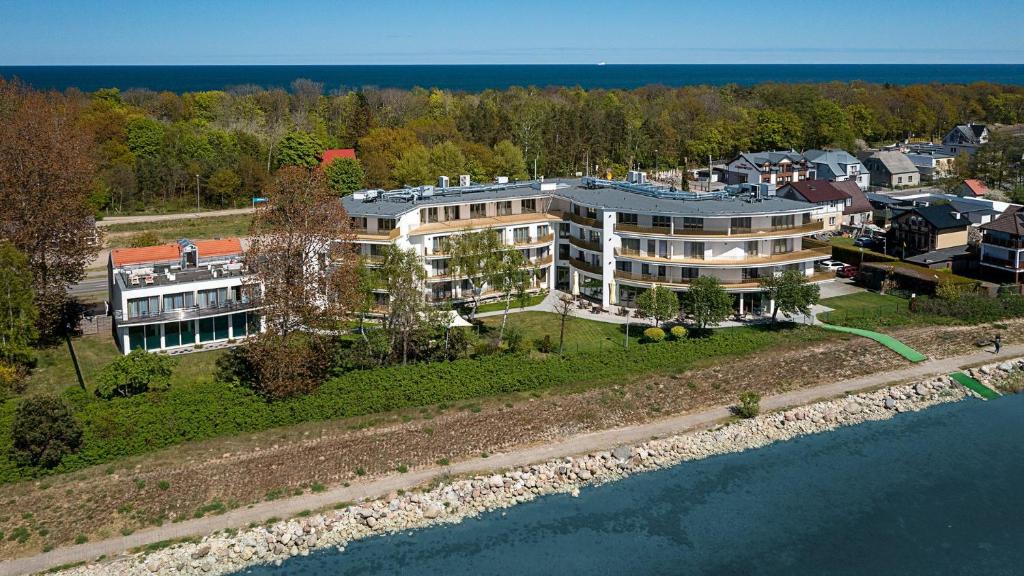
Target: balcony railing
{"points": [[185, 313], [733, 233], [1003, 262], [745, 284], [545, 239], [364, 234], [751, 260], [592, 246], [582, 220], [585, 266], [1011, 243]]}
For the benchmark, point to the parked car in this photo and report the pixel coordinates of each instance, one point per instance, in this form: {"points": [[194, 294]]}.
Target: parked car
{"points": [[847, 272], [831, 265], [864, 242]]}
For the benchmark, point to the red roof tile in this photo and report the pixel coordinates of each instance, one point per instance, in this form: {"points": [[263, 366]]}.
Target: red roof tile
{"points": [[335, 153], [172, 252], [977, 187]]}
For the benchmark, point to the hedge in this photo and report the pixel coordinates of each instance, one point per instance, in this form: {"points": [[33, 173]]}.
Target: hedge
{"points": [[852, 256], [136, 425]]}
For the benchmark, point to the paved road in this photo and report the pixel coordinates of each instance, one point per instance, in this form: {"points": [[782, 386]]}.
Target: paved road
{"points": [[111, 220], [584, 443]]}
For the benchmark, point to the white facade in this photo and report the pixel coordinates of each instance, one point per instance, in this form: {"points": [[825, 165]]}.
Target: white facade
{"points": [[167, 307]]}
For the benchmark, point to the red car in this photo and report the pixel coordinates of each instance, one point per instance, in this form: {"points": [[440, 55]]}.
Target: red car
{"points": [[847, 272]]}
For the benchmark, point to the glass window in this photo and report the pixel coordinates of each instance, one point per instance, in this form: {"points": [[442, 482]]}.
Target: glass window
{"points": [[385, 223], [172, 334], [478, 210], [152, 337], [239, 325], [452, 212], [529, 206], [359, 222], [693, 223], [631, 246], [740, 224], [505, 208], [626, 218], [136, 337], [786, 221], [543, 231], [205, 329], [428, 215], [213, 298], [138, 307], [178, 301], [521, 235], [220, 327]]}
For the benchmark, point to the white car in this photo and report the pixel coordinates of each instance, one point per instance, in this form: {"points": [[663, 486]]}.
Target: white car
{"points": [[831, 265]]}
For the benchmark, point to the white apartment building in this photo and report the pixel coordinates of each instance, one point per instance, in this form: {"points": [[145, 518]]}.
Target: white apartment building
{"points": [[614, 239], [177, 297]]}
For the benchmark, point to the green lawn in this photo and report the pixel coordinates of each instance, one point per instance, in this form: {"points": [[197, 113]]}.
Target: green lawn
{"points": [[870, 310], [580, 335], [54, 370], [499, 306], [171, 230]]}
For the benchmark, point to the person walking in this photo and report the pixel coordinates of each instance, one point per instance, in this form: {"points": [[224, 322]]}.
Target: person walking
{"points": [[998, 342]]}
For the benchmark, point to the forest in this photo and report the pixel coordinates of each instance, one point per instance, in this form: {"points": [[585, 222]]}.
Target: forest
{"points": [[162, 151]]}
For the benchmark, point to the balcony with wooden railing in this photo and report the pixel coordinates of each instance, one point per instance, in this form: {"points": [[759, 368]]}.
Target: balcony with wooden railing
{"points": [[533, 241], [585, 266], [737, 233], [592, 246], [485, 223], [364, 235], [582, 220], [650, 280], [750, 260]]}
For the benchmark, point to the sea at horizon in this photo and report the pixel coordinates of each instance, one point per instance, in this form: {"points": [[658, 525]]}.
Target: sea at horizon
{"points": [[475, 78], [931, 492]]}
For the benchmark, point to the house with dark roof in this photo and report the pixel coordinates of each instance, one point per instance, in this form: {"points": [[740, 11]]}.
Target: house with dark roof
{"points": [[932, 164], [927, 228], [777, 167], [965, 138], [1002, 242], [832, 200], [892, 169], [838, 166]]}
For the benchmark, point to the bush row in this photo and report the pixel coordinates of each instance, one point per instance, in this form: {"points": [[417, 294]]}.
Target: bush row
{"points": [[135, 425], [973, 308]]}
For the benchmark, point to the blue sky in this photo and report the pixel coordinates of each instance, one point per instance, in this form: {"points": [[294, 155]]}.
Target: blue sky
{"points": [[509, 31]]}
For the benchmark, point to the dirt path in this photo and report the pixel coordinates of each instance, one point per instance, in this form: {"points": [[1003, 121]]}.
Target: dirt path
{"points": [[112, 220], [571, 445]]}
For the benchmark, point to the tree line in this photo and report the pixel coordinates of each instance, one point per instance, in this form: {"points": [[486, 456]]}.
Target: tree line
{"points": [[159, 150]]}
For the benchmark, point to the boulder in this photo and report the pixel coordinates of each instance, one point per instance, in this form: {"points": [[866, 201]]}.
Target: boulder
{"points": [[433, 511], [622, 452], [201, 551]]}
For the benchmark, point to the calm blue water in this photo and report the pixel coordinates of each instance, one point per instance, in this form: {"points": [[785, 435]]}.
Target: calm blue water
{"points": [[937, 492], [481, 77]]}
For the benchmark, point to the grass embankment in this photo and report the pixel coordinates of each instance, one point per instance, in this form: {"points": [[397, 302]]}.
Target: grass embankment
{"points": [[54, 370], [870, 311], [206, 409], [499, 306], [121, 235], [581, 335]]}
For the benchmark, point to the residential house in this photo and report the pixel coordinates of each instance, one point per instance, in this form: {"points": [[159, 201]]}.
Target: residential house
{"points": [[965, 138], [925, 229], [838, 166], [1002, 244], [177, 297], [776, 168], [971, 188], [932, 165], [891, 169], [605, 240], [829, 199]]}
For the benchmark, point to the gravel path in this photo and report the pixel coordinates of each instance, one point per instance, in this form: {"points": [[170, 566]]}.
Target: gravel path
{"points": [[583, 443], [111, 220]]}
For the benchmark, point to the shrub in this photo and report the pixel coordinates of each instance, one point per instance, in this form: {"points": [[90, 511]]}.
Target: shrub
{"points": [[81, 539], [678, 333], [545, 344], [654, 335], [135, 373], [44, 432], [144, 239], [750, 404], [514, 339]]}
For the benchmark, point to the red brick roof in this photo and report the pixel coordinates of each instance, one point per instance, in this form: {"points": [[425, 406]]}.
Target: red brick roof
{"points": [[977, 187], [335, 153], [172, 252]]}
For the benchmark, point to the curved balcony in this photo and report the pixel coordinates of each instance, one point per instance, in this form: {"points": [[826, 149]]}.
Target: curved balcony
{"points": [[732, 233], [586, 267], [750, 261], [582, 220], [649, 280], [592, 246]]}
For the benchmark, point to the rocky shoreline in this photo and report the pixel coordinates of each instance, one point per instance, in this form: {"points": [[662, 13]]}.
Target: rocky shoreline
{"points": [[465, 498]]}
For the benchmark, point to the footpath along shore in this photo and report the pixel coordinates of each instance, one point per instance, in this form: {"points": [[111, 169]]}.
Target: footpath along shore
{"points": [[458, 499]]}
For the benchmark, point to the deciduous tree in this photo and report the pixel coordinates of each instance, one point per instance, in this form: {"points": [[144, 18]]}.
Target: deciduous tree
{"points": [[46, 179], [344, 175], [44, 431], [659, 303], [707, 301], [299, 149], [17, 306], [137, 372], [791, 292]]}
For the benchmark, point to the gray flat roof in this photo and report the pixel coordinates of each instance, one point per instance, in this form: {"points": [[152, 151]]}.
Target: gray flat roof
{"points": [[624, 201], [603, 197], [391, 208]]}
